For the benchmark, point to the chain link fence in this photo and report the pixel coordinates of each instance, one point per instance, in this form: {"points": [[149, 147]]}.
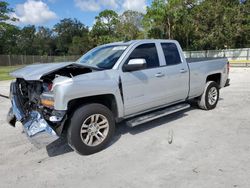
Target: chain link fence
{"points": [[235, 56], [231, 54], [14, 60]]}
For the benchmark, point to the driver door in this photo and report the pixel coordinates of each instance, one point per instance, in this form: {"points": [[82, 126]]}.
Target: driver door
{"points": [[143, 89]]}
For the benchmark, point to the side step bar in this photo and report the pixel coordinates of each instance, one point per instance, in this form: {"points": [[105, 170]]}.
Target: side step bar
{"points": [[156, 114]]}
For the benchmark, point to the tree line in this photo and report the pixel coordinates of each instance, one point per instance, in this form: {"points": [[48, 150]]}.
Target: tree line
{"points": [[196, 24]]}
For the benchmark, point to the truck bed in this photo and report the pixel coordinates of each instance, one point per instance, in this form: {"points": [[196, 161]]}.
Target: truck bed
{"points": [[200, 68]]}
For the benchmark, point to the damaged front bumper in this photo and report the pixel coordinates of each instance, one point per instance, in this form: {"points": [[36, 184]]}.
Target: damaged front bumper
{"points": [[34, 125]]}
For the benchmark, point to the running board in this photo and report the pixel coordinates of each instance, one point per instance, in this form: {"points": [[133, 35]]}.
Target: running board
{"points": [[156, 114]]}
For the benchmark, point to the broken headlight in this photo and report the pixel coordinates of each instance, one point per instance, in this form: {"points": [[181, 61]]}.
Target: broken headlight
{"points": [[47, 99]]}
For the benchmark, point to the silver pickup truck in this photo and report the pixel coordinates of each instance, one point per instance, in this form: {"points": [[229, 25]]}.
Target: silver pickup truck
{"points": [[136, 81]]}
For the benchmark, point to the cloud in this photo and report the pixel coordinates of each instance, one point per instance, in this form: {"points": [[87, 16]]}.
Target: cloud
{"points": [[96, 5], [138, 5], [52, 1], [34, 12], [120, 5]]}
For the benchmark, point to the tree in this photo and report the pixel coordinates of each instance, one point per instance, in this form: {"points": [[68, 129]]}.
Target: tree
{"points": [[44, 41], [241, 37], [130, 25], [196, 24], [8, 40], [65, 31], [154, 19], [216, 24], [170, 19], [25, 41], [5, 12], [8, 32], [104, 29], [79, 45], [184, 23]]}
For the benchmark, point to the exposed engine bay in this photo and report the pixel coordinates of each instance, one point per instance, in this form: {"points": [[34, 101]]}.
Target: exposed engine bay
{"points": [[69, 71], [29, 92]]}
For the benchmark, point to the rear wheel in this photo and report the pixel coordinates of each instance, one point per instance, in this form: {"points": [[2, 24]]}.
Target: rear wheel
{"points": [[210, 96], [91, 129]]}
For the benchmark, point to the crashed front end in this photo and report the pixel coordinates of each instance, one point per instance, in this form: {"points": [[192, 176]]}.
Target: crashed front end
{"points": [[32, 105], [33, 97]]}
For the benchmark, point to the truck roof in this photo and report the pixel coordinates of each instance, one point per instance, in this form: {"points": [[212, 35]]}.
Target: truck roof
{"points": [[141, 40]]}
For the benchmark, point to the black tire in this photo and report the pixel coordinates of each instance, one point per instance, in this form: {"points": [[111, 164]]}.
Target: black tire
{"points": [[204, 102], [82, 114]]}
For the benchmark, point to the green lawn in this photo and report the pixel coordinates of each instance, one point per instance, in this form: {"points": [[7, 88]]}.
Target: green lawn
{"points": [[5, 70]]}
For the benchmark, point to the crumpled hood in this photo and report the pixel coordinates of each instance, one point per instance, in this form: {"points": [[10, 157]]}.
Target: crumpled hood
{"points": [[35, 72]]}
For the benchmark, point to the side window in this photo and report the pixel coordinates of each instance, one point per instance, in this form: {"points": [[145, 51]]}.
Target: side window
{"points": [[147, 52], [171, 53]]}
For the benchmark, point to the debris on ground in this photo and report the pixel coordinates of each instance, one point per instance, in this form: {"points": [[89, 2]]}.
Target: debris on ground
{"points": [[170, 136]]}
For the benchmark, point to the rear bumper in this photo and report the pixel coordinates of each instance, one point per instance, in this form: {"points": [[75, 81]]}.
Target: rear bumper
{"points": [[34, 125]]}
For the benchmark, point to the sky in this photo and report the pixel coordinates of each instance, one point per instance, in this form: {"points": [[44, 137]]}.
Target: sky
{"points": [[49, 12]]}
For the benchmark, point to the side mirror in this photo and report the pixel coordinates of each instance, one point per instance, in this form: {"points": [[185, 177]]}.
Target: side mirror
{"points": [[135, 64]]}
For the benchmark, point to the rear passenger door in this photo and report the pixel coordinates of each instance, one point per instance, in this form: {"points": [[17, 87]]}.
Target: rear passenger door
{"points": [[177, 73], [143, 89]]}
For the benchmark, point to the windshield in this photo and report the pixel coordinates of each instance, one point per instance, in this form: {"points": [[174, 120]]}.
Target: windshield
{"points": [[103, 57]]}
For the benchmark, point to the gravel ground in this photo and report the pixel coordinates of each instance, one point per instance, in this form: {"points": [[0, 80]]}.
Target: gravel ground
{"points": [[209, 149]]}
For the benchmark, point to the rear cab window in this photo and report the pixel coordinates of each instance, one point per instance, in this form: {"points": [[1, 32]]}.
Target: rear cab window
{"points": [[171, 54]]}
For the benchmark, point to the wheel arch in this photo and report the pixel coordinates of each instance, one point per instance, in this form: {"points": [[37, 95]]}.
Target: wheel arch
{"points": [[214, 77], [107, 100]]}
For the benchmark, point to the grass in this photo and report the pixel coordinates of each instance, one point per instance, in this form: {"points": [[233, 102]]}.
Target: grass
{"points": [[239, 61], [5, 70]]}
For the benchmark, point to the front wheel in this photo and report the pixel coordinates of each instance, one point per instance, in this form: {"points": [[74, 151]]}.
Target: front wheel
{"points": [[210, 96], [91, 128]]}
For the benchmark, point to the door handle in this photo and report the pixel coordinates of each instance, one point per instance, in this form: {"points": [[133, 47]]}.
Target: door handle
{"points": [[159, 74], [183, 71]]}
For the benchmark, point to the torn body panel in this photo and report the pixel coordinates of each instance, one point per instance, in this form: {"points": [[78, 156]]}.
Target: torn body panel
{"points": [[33, 121], [26, 108]]}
